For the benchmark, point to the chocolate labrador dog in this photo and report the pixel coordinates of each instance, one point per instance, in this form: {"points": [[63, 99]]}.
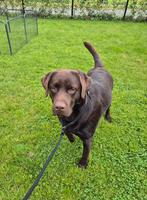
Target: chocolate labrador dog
{"points": [[80, 100]]}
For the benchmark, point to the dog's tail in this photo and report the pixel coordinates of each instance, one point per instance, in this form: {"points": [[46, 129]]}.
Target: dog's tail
{"points": [[94, 54]]}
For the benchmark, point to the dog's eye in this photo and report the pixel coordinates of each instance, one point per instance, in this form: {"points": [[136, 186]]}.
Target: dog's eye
{"points": [[71, 90], [53, 89]]}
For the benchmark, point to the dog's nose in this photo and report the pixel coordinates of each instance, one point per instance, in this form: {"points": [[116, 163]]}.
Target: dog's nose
{"points": [[60, 106]]}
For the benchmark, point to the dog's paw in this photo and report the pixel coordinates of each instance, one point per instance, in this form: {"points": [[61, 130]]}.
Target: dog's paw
{"points": [[71, 137], [82, 163], [72, 140], [108, 118]]}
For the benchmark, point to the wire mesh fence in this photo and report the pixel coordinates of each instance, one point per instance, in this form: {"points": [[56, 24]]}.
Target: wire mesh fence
{"points": [[16, 31], [3, 38]]}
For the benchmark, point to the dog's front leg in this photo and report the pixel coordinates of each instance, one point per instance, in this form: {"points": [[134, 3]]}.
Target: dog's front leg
{"points": [[70, 137], [86, 150]]}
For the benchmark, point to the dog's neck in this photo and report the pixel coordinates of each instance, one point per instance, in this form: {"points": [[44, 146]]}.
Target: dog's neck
{"points": [[72, 122]]}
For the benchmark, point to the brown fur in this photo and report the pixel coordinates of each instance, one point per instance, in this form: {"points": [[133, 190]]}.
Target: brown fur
{"points": [[74, 93]]}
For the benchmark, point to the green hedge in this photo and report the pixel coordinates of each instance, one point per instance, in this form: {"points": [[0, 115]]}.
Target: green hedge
{"points": [[139, 4], [89, 5]]}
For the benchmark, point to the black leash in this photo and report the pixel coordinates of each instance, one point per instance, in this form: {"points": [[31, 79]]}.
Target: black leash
{"points": [[66, 127], [26, 197]]}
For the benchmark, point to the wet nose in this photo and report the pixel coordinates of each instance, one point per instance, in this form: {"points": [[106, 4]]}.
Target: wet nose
{"points": [[60, 106]]}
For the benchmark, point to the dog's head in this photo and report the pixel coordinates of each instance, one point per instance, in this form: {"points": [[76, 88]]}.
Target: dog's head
{"points": [[66, 88]]}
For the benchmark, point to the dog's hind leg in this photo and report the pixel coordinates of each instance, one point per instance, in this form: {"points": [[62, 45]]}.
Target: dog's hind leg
{"points": [[107, 115]]}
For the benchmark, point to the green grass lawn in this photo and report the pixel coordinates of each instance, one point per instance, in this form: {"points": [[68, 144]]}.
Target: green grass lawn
{"points": [[118, 161]]}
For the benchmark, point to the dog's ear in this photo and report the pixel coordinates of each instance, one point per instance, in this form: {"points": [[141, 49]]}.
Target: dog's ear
{"points": [[85, 83], [45, 82]]}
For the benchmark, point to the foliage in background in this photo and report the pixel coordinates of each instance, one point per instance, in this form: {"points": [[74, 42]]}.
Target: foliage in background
{"points": [[85, 8], [79, 3]]}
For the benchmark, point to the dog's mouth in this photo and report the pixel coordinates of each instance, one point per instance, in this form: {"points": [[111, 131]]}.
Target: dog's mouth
{"points": [[61, 114]]}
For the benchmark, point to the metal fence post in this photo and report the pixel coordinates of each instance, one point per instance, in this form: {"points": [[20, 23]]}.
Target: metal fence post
{"points": [[126, 7], [23, 7], [72, 8], [36, 20], [25, 28], [8, 21], [9, 42]]}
